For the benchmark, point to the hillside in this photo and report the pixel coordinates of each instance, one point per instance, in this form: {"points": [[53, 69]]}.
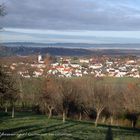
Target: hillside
{"points": [[61, 49], [28, 125], [23, 51]]}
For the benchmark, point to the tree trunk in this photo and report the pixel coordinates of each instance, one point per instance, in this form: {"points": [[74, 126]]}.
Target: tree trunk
{"points": [[111, 120], [50, 112], [103, 119], [64, 116], [117, 123], [80, 116], [6, 109], [23, 105], [132, 124], [97, 118], [13, 111]]}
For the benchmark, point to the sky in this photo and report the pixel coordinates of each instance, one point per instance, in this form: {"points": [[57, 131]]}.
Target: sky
{"points": [[71, 21]]}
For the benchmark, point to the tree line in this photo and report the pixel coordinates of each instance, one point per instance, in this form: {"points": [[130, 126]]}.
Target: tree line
{"points": [[91, 97], [86, 98]]}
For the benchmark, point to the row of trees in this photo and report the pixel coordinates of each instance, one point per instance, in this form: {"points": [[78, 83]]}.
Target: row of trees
{"points": [[81, 98], [90, 97]]}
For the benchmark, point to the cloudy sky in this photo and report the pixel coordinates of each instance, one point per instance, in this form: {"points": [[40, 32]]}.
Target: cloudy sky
{"points": [[86, 21]]}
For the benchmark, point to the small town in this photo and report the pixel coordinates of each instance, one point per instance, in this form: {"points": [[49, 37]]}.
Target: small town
{"points": [[103, 66]]}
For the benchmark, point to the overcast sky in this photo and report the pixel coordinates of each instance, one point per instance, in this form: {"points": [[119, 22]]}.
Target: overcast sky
{"points": [[92, 21]]}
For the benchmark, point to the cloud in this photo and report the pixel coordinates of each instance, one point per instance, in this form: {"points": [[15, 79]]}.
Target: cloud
{"points": [[72, 14], [68, 36]]}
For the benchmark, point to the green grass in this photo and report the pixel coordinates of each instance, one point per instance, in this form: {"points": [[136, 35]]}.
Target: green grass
{"points": [[32, 126]]}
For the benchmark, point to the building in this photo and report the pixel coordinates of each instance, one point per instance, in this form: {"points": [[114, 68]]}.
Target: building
{"points": [[40, 59]]}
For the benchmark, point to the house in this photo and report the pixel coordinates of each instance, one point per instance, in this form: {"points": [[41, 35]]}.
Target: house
{"points": [[134, 70], [60, 68], [54, 64], [38, 72], [78, 74], [96, 66], [85, 72], [74, 65], [68, 75], [66, 71], [109, 63], [131, 62], [123, 68], [84, 61], [52, 71], [12, 67]]}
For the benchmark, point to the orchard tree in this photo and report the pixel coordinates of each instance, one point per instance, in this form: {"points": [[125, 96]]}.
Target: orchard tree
{"points": [[30, 92], [3, 86], [98, 94], [67, 92], [115, 102], [9, 91], [49, 97], [131, 96], [81, 96]]}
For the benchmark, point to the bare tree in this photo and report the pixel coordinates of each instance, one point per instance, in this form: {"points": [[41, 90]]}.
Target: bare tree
{"points": [[115, 102], [98, 94], [81, 98], [2, 10], [8, 89], [131, 96], [67, 96], [49, 97]]}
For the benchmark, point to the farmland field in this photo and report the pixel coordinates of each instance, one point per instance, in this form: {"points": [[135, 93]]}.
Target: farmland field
{"points": [[32, 126]]}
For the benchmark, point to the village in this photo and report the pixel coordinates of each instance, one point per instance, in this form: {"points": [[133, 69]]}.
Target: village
{"points": [[102, 66]]}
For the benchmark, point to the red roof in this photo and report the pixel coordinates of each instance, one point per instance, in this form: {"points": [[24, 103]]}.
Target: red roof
{"points": [[67, 69], [57, 67]]}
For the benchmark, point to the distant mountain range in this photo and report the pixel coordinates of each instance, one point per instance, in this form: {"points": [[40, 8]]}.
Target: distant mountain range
{"points": [[74, 45], [68, 49]]}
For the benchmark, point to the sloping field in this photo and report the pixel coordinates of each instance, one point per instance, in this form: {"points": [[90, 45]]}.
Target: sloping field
{"points": [[32, 126]]}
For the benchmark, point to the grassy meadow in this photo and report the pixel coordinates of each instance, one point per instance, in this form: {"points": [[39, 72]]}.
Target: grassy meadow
{"points": [[27, 125]]}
